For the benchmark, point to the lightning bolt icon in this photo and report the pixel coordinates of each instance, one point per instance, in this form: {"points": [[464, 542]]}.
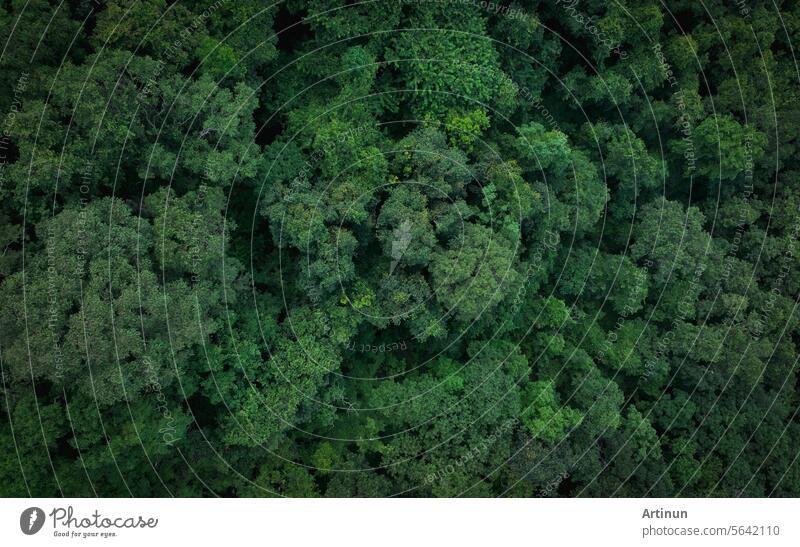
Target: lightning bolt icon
{"points": [[33, 517]]}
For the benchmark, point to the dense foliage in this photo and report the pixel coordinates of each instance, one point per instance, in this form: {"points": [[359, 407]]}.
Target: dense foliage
{"points": [[428, 248]]}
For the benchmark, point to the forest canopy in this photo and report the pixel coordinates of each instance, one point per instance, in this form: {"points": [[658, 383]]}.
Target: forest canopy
{"points": [[429, 248]]}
